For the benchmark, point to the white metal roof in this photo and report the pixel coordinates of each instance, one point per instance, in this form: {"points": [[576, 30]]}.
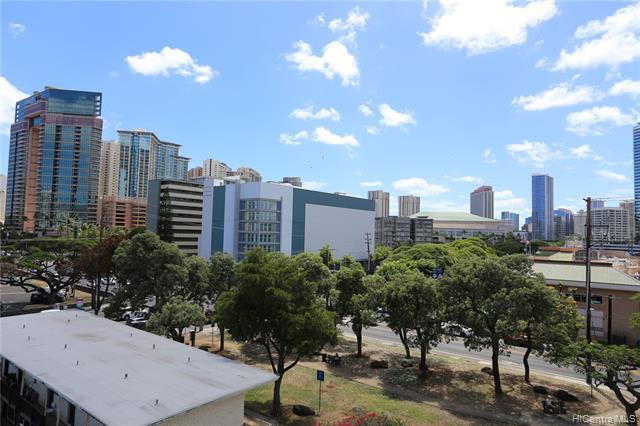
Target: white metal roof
{"points": [[178, 376]]}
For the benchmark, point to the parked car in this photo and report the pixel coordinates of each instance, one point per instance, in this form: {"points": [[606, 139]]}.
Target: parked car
{"points": [[453, 329], [382, 314], [137, 315], [42, 298]]}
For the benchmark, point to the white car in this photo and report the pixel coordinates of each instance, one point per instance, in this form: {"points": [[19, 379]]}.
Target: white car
{"points": [[138, 315], [453, 329]]}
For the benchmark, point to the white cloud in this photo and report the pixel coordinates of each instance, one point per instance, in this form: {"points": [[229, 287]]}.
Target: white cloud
{"points": [[559, 95], [533, 153], [296, 139], [584, 151], [356, 20], [335, 60], [365, 110], [507, 201], [608, 174], [170, 61], [589, 121], [324, 135], [17, 28], [541, 63], [392, 118], [626, 87], [371, 184], [485, 26], [9, 95], [419, 186], [313, 185], [372, 130], [611, 42], [307, 113], [488, 156], [469, 179]]}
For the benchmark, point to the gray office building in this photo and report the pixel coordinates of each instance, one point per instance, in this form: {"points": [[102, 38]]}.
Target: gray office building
{"points": [[394, 231], [481, 202]]}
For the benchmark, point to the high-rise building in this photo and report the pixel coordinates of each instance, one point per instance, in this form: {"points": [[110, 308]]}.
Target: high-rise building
{"points": [[174, 212], [122, 212], [215, 169], [3, 195], [394, 231], [293, 181], [580, 223], [109, 168], [195, 172], [611, 225], [512, 218], [481, 201], [597, 204], [248, 174], [54, 153], [408, 205], [563, 223], [381, 199], [542, 207], [629, 206], [143, 157], [636, 174]]}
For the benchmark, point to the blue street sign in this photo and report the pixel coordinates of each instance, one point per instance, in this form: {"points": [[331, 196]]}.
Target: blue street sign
{"points": [[320, 375]]}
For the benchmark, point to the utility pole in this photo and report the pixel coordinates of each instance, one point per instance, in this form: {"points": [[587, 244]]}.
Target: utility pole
{"points": [[367, 240], [588, 283]]}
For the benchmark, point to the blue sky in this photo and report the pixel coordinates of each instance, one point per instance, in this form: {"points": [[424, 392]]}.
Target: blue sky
{"points": [[430, 98]]}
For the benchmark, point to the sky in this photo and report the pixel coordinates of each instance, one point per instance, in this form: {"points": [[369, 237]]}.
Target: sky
{"points": [[427, 98]]}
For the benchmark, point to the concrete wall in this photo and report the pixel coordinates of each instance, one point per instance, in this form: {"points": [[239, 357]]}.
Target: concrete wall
{"points": [[225, 412]]}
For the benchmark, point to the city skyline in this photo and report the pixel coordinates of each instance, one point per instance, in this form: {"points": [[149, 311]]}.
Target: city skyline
{"points": [[371, 110]]}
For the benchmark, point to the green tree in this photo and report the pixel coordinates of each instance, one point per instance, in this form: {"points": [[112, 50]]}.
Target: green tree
{"points": [[548, 322], [174, 317], [478, 293], [319, 273], [327, 256], [98, 267], [275, 306], [52, 261], [147, 268], [614, 366], [415, 304], [355, 298], [380, 254], [634, 320], [222, 278]]}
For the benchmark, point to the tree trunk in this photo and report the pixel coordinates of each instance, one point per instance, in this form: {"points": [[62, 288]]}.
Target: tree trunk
{"points": [[525, 358], [423, 360], [276, 407], [221, 336], [357, 330], [495, 348], [405, 343]]}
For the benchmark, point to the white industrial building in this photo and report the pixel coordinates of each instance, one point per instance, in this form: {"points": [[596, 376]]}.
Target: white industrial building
{"points": [[74, 368], [282, 218]]}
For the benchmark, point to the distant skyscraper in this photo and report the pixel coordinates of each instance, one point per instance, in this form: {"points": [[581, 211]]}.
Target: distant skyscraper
{"points": [[54, 159], [580, 223], [143, 156], [293, 181], [481, 201], [513, 218], [3, 196], [636, 174], [629, 206], [215, 168], [109, 168], [248, 174], [381, 199], [542, 207], [597, 204], [195, 173], [408, 205], [563, 223]]}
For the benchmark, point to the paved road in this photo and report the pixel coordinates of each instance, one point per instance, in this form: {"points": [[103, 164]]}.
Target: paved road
{"points": [[456, 348], [11, 294]]}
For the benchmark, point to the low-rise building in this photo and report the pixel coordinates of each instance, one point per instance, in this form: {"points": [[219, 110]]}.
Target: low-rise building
{"points": [[282, 218], [611, 291], [74, 368], [449, 226], [122, 212], [174, 212]]}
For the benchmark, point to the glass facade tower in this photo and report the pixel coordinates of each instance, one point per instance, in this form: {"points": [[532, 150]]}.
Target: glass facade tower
{"points": [[542, 207], [54, 151], [636, 173]]}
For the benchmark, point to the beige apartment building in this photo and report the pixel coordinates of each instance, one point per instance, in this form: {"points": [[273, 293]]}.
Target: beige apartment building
{"points": [[122, 212]]}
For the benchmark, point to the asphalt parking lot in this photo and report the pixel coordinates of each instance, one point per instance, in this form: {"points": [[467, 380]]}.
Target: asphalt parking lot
{"points": [[10, 295]]}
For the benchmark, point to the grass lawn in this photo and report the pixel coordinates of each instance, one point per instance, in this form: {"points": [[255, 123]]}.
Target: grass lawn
{"points": [[343, 398]]}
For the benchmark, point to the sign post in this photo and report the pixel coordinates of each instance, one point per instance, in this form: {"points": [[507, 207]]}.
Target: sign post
{"points": [[320, 378]]}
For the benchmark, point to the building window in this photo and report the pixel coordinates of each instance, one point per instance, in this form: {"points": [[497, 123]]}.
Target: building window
{"points": [[259, 225]]}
